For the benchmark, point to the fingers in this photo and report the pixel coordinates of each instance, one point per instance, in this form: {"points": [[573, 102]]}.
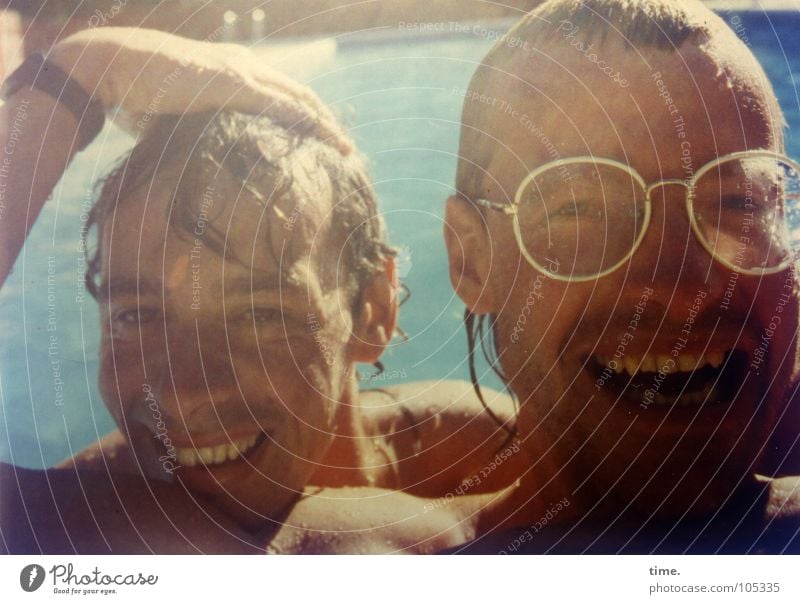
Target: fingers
{"points": [[278, 83], [293, 113], [297, 102], [159, 74]]}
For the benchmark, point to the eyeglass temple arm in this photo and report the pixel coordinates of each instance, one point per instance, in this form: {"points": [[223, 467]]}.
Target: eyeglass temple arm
{"points": [[497, 207]]}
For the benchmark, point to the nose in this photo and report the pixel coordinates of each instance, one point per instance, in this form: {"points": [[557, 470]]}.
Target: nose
{"points": [[670, 259], [193, 376]]}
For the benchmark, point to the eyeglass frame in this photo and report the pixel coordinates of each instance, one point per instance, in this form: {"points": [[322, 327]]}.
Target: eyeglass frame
{"points": [[689, 184]]}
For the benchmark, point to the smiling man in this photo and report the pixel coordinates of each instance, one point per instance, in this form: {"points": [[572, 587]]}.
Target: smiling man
{"points": [[622, 225], [229, 332], [236, 298], [242, 272]]}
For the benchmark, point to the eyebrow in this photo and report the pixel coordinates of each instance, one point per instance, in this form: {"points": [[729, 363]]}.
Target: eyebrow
{"points": [[126, 287], [257, 282]]}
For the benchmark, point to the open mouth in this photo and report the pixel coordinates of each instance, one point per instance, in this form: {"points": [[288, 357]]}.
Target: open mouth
{"points": [[665, 380], [219, 454]]}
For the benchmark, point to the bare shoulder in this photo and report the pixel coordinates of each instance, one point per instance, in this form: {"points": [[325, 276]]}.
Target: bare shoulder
{"points": [[784, 498], [442, 409], [366, 520], [109, 453], [437, 398], [69, 511], [441, 434]]}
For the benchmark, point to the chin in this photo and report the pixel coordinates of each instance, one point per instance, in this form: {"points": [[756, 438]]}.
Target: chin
{"points": [[684, 454]]}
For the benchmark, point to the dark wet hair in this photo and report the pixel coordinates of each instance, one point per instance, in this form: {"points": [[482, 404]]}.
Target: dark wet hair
{"points": [[266, 160]]}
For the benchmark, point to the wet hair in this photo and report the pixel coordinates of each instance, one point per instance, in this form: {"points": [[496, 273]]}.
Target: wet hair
{"points": [[663, 25], [268, 162]]}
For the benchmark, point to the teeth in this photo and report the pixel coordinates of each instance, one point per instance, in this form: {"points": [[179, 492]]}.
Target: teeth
{"points": [[206, 454], [715, 359], [220, 453], [649, 364], [707, 395], [190, 457], [662, 362], [686, 362]]}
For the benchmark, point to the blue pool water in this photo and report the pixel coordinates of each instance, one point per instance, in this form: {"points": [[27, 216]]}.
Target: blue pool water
{"points": [[396, 94]]}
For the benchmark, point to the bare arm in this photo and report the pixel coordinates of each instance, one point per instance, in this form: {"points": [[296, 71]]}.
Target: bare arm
{"points": [[145, 73], [441, 437], [86, 511], [37, 135], [367, 520], [71, 512]]}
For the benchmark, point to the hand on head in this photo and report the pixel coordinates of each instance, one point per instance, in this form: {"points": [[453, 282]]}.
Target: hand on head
{"points": [[148, 73]]}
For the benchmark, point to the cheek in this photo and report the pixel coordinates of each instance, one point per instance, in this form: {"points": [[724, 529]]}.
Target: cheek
{"points": [[535, 316], [305, 376], [120, 379], [775, 315], [780, 326]]}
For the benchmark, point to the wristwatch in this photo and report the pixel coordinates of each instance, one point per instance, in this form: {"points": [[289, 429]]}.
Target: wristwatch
{"points": [[38, 72]]}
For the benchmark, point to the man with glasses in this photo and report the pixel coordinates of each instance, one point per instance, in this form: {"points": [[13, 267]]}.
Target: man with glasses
{"points": [[625, 228]]}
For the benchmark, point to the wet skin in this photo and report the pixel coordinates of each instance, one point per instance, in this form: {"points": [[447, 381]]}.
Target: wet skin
{"points": [[236, 360], [599, 446], [263, 353]]}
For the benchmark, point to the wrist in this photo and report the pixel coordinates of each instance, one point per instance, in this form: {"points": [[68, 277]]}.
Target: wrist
{"points": [[37, 73], [87, 61]]}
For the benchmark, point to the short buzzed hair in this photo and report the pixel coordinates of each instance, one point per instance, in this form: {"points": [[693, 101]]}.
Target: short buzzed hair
{"points": [[664, 25]]}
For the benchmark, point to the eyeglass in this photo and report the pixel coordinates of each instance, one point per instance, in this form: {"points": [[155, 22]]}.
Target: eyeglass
{"points": [[581, 218]]}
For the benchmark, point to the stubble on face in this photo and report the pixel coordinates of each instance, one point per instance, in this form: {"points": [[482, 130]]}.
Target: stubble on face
{"points": [[547, 333], [236, 355]]}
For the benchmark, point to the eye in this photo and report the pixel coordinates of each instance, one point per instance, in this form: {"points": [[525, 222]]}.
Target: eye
{"points": [[737, 202], [578, 209], [262, 315], [128, 321], [267, 323], [133, 316], [571, 208]]}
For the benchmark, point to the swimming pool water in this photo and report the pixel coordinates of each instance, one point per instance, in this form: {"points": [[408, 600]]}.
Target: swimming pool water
{"points": [[399, 96]]}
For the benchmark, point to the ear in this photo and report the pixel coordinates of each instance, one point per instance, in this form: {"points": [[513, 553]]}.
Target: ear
{"points": [[376, 317], [469, 254]]}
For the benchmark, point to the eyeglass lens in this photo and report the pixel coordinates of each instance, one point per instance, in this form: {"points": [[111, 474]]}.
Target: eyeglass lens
{"points": [[586, 218], [746, 211], [582, 217]]}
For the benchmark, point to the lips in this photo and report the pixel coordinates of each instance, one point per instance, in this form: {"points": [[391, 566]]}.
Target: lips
{"points": [[218, 454], [665, 380], [665, 363]]}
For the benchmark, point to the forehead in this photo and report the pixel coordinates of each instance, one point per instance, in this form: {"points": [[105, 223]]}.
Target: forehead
{"points": [[659, 111], [153, 228]]}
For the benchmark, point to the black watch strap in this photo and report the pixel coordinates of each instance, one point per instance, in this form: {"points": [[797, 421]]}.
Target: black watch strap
{"points": [[37, 72]]}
